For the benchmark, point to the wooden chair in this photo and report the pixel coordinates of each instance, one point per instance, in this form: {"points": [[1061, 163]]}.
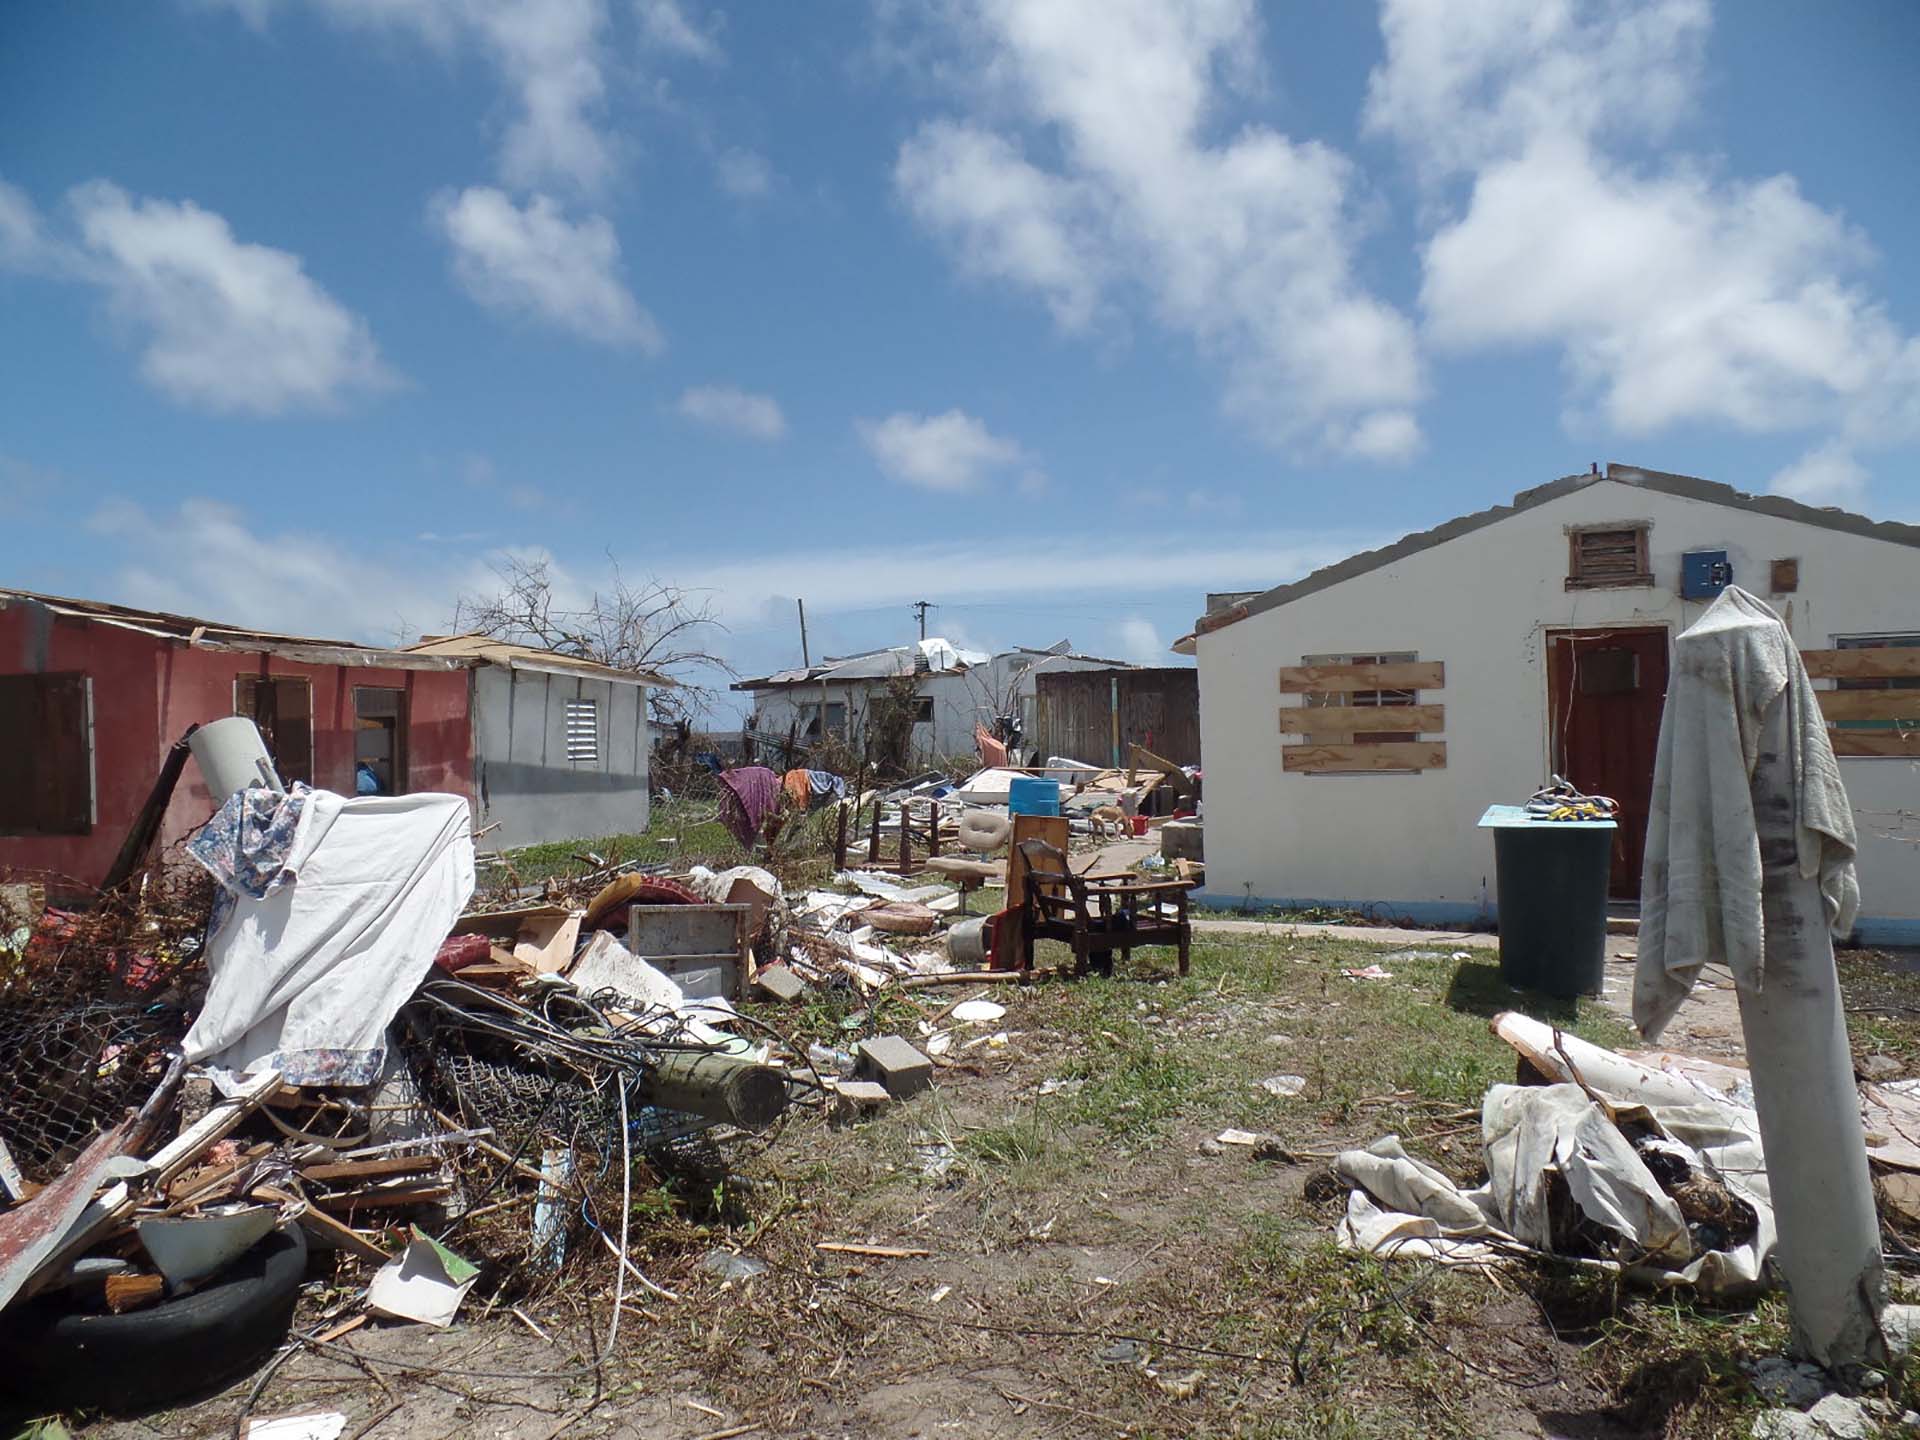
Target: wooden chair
{"points": [[1099, 914]]}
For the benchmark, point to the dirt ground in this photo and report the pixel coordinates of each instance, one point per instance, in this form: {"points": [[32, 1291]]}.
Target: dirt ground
{"points": [[1086, 1259]]}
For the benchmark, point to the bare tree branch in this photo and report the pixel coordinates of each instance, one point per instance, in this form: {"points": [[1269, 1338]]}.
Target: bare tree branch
{"points": [[654, 628]]}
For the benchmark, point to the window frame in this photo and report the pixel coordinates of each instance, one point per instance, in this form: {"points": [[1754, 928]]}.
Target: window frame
{"points": [[270, 733], [1642, 575], [398, 760], [36, 802]]}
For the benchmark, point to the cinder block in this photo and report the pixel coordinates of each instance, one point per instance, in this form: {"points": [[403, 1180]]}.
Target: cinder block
{"points": [[780, 982], [895, 1064], [1182, 840]]}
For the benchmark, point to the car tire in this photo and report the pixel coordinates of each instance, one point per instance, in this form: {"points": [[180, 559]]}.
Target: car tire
{"points": [[146, 1359]]}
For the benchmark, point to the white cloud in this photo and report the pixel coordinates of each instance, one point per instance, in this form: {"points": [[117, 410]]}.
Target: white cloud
{"points": [[950, 452], [727, 408], [1826, 475], [300, 582], [743, 174], [1673, 294], [533, 261], [23, 245], [1140, 642], [220, 324], [550, 53], [666, 27], [1244, 245]]}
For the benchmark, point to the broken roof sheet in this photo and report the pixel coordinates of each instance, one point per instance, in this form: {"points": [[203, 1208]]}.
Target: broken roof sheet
{"points": [[1685, 487], [213, 635], [942, 658], [487, 650]]}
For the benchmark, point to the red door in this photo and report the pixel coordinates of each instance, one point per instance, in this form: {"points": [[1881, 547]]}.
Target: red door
{"points": [[1606, 689]]}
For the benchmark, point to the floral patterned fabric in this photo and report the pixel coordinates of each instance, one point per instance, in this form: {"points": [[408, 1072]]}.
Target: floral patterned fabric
{"points": [[245, 846]]}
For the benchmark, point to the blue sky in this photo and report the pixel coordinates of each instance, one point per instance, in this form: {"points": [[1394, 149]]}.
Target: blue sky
{"points": [[1056, 314]]}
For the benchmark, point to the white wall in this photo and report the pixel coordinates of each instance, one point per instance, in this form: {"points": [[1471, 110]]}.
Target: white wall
{"points": [[1482, 604], [521, 771]]}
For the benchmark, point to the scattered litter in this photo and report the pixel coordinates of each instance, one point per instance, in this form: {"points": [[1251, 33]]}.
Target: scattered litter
{"points": [[1368, 972], [1238, 1137], [729, 1266], [876, 1252], [1181, 1387], [1123, 1352], [1056, 1085], [935, 1158], [425, 1284], [320, 1425], [977, 1012], [1284, 1085], [937, 1296], [1212, 1147]]}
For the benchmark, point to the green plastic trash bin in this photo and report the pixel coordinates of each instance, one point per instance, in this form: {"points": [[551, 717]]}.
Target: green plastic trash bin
{"points": [[1552, 882]]}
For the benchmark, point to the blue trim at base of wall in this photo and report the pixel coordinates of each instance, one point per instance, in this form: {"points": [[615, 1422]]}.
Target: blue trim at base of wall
{"points": [[1421, 912], [1868, 930]]}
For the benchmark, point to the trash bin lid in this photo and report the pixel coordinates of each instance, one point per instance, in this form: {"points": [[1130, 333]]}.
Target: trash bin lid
{"points": [[1516, 817]]}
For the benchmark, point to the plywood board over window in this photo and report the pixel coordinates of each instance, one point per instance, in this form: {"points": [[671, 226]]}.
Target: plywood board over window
{"points": [[1362, 713], [46, 754], [1874, 705]]}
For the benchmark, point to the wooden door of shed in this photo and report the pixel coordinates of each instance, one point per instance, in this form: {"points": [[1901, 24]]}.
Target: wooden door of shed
{"points": [[1605, 692]]}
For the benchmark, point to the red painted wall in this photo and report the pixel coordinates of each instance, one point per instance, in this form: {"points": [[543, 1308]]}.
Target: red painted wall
{"points": [[147, 690]]}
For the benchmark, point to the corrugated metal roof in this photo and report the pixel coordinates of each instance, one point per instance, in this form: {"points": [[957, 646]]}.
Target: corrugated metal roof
{"points": [[487, 650]]}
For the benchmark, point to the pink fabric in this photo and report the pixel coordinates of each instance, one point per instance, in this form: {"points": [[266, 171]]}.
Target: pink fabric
{"points": [[753, 791]]}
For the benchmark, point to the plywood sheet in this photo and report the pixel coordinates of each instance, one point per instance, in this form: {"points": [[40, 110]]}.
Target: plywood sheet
{"points": [[1402, 675], [1904, 743], [1870, 704], [1406, 755], [1884, 663], [1361, 719]]}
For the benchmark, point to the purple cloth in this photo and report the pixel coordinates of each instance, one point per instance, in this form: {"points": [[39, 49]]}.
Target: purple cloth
{"points": [[752, 793]]}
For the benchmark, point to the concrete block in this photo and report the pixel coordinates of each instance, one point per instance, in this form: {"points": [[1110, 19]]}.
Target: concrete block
{"points": [[895, 1064], [779, 982], [1182, 840], [853, 1098]]}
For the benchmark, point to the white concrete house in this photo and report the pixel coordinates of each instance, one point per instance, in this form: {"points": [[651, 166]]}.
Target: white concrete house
{"points": [[1461, 666], [560, 744], [956, 690]]}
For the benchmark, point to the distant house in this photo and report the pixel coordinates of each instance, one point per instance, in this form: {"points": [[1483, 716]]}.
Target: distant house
{"points": [[560, 744], [954, 691], [1356, 723], [93, 695]]}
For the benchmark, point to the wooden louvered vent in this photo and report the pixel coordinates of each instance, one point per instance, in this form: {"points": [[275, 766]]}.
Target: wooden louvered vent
{"points": [[1600, 556]]}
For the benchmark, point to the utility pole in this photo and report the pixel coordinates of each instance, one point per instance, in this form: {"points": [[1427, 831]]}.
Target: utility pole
{"points": [[806, 661], [920, 608]]}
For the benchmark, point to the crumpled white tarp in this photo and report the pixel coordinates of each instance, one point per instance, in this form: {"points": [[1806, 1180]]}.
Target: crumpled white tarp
{"points": [[1700, 889], [308, 979], [1401, 1207]]}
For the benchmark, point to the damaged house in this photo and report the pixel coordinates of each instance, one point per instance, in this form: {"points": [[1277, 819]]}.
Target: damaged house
{"points": [[1357, 722], [92, 696], [954, 691]]}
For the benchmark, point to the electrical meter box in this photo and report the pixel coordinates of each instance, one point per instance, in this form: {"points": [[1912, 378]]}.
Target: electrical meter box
{"points": [[1704, 574]]}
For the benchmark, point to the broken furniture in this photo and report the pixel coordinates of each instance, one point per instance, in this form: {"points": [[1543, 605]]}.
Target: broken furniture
{"points": [[702, 947], [983, 832], [1098, 914]]}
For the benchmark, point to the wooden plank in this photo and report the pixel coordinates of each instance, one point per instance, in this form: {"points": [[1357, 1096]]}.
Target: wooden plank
{"points": [[1886, 662], [878, 1252], [1870, 704], [1361, 719], [1404, 675], [1902, 743], [351, 1170], [1407, 755]]}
